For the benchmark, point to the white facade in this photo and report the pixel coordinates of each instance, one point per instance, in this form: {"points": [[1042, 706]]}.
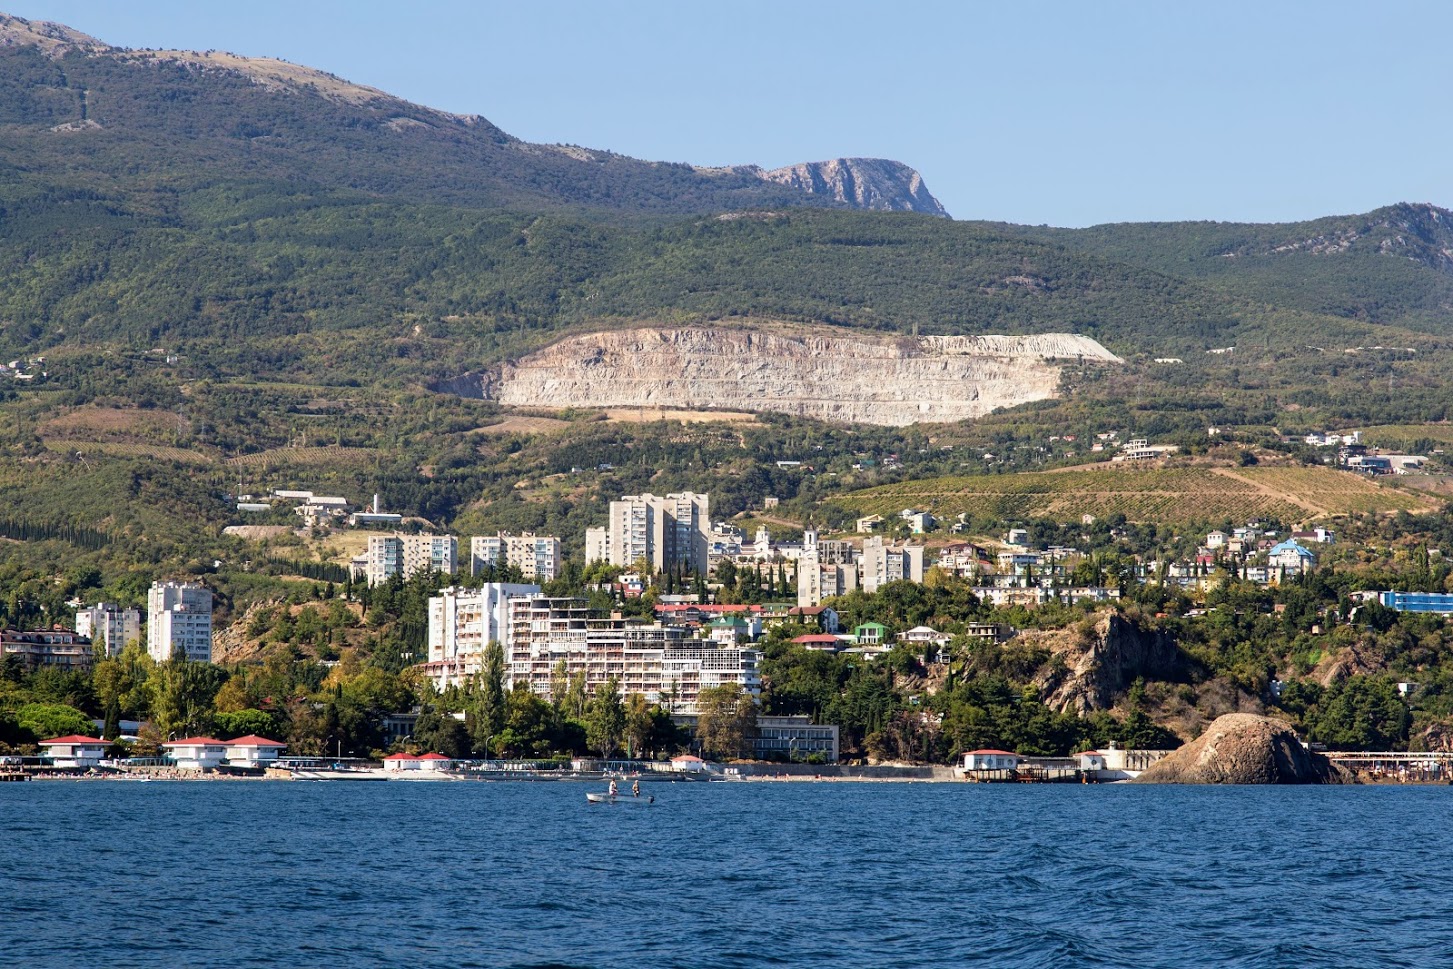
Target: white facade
{"points": [[179, 616], [655, 661], [881, 564], [536, 556], [462, 623], [664, 532], [253, 751], [990, 760], [406, 555], [109, 622], [197, 753], [75, 751]]}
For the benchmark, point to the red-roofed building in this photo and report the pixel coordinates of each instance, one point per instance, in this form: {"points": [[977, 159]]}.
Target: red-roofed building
{"points": [[990, 760], [819, 641], [253, 751], [1091, 760], [417, 762], [75, 750], [197, 753]]}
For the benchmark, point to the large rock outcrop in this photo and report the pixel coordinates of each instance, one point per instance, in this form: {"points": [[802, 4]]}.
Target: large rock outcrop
{"points": [[1102, 659], [1241, 748], [864, 183], [818, 372]]}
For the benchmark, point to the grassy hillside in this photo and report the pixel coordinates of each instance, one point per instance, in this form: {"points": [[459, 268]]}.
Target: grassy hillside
{"points": [[1163, 495]]}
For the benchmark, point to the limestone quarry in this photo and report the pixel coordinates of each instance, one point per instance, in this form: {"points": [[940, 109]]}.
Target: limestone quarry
{"points": [[828, 374]]}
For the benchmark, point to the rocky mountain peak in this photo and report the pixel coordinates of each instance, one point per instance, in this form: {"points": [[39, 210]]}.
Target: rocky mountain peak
{"points": [[865, 183], [49, 37]]}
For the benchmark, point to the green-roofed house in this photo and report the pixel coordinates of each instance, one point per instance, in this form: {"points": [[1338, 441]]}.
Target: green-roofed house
{"points": [[870, 634]]}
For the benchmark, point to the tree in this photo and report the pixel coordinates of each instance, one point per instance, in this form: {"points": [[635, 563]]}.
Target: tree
{"points": [[726, 721], [605, 718], [487, 711], [638, 725], [46, 720]]}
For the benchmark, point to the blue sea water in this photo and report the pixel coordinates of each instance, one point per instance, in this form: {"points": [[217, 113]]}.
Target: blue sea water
{"points": [[803, 874]]}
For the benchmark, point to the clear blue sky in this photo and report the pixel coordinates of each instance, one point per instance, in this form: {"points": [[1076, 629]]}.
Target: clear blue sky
{"points": [[1068, 113]]}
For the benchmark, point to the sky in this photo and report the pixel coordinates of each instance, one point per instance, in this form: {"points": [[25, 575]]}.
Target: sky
{"points": [[1029, 111]]}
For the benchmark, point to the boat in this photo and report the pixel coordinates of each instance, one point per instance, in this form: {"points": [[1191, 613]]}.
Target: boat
{"points": [[596, 797], [326, 774]]}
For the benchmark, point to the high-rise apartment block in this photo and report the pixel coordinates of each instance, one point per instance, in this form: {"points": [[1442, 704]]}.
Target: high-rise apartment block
{"points": [[179, 617], [665, 533], [108, 622], [544, 635], [536, 556], [881, 564], [462, 624], [406, 555]]}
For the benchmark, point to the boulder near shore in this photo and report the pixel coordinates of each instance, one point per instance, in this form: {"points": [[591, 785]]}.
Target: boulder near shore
{"points": [[1241, 748]]}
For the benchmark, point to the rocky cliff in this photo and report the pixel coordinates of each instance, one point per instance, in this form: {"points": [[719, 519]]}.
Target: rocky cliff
{"points": [[808, 371], [1101, 660], [1241, 748], [864, 183]]}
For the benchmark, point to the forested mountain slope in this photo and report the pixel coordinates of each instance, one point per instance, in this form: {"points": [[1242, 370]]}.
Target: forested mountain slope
{"points": [[1393, 265], [156, 124]]}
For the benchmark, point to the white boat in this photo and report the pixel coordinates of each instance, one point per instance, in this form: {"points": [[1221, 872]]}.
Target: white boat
{"points": [[595, 797]]}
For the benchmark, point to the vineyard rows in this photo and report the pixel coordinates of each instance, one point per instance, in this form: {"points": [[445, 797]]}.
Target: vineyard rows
{"points": [[1164, 495]]}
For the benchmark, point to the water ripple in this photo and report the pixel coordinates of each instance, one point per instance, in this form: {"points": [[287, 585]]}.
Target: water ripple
{"points": [[722, 875]]}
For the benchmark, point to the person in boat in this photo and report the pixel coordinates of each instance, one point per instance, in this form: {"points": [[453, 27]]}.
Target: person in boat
{"points": [[612, 790], [636, 788]]}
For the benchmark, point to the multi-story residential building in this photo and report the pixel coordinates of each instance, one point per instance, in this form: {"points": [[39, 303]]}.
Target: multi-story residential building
{"points": [[795, 738], [179, 617], [536, 556], [406, 555], [666, 533], [462, 623], [47, 647], [109, 623], [881, 564], [657, 661]]}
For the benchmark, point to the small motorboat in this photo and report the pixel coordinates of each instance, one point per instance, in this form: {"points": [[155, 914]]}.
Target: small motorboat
{"points": [[595, 797]]}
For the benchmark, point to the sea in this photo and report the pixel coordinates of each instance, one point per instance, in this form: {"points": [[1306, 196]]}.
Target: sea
{"points": [[518, 874]]}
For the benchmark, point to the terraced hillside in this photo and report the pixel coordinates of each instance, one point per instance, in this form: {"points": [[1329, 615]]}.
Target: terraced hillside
{"points": [[1199, 493]]}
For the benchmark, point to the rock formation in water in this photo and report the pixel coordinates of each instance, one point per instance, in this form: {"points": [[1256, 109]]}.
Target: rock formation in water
{"points": [[1241, 748], [829, 374]]}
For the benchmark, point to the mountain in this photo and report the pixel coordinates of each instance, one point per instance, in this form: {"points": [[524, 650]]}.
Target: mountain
{"points": [[863, 183], [138, 120], [1391, 266]]}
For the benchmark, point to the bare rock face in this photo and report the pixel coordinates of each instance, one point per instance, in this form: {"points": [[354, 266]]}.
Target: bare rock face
{"points": [[1241, 748], [1100, 662], [807, 371], [864, 183]]}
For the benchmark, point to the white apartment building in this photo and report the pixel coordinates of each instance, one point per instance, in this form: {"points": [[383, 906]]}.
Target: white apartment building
{"points": [[406, 555], [664, 532], [656, 661], [462, 623], [108, 622], [881, 564], [536, 556], [179, 616]]}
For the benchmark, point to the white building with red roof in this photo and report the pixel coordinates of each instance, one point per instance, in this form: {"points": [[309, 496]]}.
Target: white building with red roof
{"points": [[253, 751], [196, 753], [75, 750], [429, 761], [822, 642], [991, 760]]}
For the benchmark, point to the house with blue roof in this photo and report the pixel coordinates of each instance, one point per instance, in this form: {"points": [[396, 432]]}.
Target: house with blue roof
{"points": [[1291, 557]]}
